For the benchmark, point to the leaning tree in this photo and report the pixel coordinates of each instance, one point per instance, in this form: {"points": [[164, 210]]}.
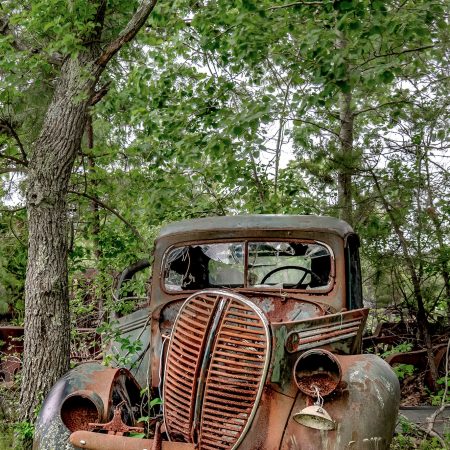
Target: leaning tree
{"points": [[72, 44]]}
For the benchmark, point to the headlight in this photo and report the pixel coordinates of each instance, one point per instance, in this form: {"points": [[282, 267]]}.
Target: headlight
{"points": [[81, 408], [317, 372]]}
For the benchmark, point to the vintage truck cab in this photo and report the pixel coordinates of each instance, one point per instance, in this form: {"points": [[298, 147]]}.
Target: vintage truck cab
{"points": [[254, 329]]}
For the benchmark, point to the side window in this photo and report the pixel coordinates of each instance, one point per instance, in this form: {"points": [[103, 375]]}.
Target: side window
{"points": [[353, 273]]}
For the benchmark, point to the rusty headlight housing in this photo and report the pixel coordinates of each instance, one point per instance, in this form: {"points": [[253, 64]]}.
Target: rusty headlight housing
{"points": [[317, 371], [81, 408]]}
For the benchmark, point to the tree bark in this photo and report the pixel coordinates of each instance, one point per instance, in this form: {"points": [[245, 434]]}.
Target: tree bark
{"points": [[347, 119], [345, 196]]}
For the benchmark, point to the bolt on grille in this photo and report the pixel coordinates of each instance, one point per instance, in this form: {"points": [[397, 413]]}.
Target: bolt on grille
{"points": [[213, 381]]}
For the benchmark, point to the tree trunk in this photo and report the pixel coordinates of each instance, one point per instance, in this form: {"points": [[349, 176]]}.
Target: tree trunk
{"points": [[47, 337], [345, 196], [421, 317], [346, 118], [95, 209], [95, 221]]}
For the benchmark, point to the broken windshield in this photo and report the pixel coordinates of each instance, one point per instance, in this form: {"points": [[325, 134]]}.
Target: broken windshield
{"points": [[267, 264]]}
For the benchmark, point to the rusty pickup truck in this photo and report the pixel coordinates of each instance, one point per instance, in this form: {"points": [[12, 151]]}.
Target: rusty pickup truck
{"points": [[253, 335]]}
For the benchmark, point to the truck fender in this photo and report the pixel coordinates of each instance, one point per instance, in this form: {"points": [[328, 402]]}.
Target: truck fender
{"points": [[84, 395]]}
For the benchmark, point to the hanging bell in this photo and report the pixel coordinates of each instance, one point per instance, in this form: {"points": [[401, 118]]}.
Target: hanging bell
{"points": [[315, 417]]}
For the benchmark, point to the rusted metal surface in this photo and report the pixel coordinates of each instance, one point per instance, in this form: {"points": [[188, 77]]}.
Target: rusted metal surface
{"points": [[364, 411], [284, 308], [317, 371], [11, 348], [78, 411], [391, 333], [212, 386], [157, 440], [96, 441], [419, 359], [274, 229], [114, 426], [86, 394], [135, 326], [254, 223], [344, 327]]}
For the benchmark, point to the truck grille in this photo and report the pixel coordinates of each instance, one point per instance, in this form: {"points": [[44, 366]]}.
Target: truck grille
{"points": [[215, 371]]}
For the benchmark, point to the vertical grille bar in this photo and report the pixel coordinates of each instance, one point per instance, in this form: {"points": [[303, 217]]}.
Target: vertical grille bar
{"points": [[184, 358], [235, 378]]}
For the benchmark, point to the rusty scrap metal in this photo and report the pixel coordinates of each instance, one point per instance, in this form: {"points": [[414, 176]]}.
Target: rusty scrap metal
{"points": [[90, 440], [11, 348], [115, 425], [339, 327]]}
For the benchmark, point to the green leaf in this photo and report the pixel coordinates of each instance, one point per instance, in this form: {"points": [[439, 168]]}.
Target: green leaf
{"points": [[387, 76]]}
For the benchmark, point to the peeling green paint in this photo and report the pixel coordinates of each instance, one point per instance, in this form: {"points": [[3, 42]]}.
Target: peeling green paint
{"points": [[279, 353]]}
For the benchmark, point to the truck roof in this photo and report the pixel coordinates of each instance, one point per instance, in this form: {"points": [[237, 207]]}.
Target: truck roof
{"points": [[260, 222]]}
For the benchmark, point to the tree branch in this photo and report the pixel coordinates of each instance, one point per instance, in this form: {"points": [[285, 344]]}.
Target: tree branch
{"points": [[111, 210], [12, 210], [128, 33], [13, 159], [5, 29], [289, 5], [98, 95], [7, 128], [374, 108], [321, 127], [393, 53], [12, 170]]}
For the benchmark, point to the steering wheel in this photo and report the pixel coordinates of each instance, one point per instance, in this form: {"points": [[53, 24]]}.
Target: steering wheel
{"points": [[303, 269]]}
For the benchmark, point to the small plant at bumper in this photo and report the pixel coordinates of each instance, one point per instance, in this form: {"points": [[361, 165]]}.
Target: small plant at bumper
{"points": [[412, 437]]}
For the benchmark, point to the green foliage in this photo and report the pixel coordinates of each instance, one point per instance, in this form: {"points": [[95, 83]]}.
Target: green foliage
{"points": [[121, 350], [24, 431], [403, 370], [13, 255], [437, 398], [400, 348], [411, 437], [202, 114]]}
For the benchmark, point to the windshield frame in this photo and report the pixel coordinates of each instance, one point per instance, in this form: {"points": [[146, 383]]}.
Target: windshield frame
{"points": [[247, 288]]}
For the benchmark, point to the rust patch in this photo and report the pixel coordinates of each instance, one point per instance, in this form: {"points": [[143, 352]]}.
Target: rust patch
{"points": [[77, 412], [324, 383]]}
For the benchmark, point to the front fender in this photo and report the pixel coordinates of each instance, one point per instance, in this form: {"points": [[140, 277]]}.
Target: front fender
{"points": [[364, 412], [84, 394]]}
